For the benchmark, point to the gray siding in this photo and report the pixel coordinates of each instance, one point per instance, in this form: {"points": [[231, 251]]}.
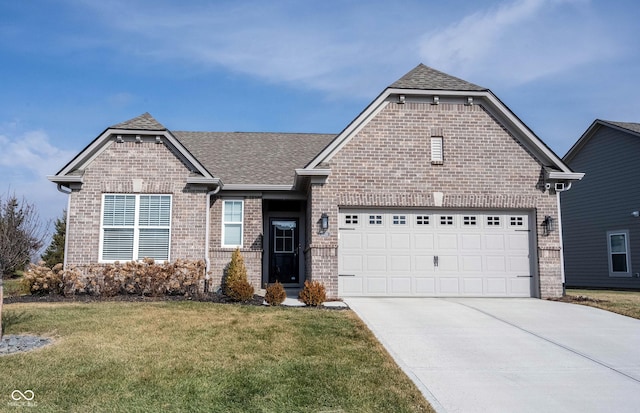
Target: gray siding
{"points": [[601, 202]]}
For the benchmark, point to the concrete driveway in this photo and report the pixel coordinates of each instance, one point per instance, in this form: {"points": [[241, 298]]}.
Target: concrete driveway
{"points": [[510, 355]]}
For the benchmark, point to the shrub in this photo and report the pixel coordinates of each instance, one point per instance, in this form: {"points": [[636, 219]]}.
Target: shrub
{"points": [[241, 291], [40, 279], [313, 293], [275, 294], [143, 278], [236, 286]]}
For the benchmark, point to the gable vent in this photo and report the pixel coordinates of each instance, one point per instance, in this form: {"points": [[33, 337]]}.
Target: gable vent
{"points": [[437, 155]]}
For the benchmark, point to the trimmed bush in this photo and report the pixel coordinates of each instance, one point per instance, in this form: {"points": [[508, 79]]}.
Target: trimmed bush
{"points": [[275, 294], [145, 278], [241, 291], [236, 286], [40, 279], [313, 293]]}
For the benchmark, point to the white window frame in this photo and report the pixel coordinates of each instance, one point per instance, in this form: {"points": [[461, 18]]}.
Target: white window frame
{"points": [[627, 253], [136, 227], [225, 223]]}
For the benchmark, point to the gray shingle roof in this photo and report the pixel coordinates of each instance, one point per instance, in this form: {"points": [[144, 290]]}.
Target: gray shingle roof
{"points": [[254, 157], [633, 127], [425, 78], [142, 122]]}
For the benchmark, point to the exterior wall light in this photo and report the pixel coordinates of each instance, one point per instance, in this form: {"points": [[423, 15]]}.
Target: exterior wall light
{"points": [[548, 225], [635, 214], [324, 222]]}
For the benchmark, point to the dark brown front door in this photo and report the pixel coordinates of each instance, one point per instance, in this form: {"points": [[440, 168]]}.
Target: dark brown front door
{"points": [[284, 257]]}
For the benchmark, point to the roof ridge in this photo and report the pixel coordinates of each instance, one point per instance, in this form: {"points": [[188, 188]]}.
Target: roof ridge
{"points": [[257, 133], [142, 122], [427, 78]]}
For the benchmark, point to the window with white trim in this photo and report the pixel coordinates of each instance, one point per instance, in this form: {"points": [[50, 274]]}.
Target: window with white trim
{"points": [[422, 220], [375, 219], [232, 223], [437, 153], [399, 220], [618, 243], [469, 220], [351, 219], [135, 227]]}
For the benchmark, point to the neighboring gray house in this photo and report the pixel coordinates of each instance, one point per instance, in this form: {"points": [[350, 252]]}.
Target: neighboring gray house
{"points": [[435, 189], [601, 223]]}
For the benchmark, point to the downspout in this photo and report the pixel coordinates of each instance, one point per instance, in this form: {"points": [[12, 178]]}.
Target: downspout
{"points": [[561, 237], [206, 239], [66, 228]]}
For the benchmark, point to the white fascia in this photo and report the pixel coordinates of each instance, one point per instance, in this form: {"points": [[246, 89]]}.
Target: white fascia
{"points": [[201, 180], [256, 187], [102, 142], [565, 176], [66, 179]]}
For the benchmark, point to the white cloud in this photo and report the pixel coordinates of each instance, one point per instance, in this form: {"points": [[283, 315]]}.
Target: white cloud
{"points": [[341, 50], [520, 41], [26, 159]]}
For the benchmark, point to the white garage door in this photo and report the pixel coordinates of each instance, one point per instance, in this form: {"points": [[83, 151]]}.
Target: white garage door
{"points": [[434, 253]]}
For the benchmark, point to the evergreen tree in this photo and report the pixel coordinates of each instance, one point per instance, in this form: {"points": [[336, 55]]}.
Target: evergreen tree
{"points": [[54, 254]]}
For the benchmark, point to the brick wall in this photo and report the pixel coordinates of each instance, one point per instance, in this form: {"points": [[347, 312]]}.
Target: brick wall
{"points": [[252, 241], [113, 171], [388, 164]]}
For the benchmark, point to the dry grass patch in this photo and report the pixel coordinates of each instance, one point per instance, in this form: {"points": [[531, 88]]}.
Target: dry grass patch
{"points": [[621, 302], [189, 356]]}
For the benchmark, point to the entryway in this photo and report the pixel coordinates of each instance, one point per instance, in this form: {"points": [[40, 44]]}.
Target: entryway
{"points": [[284, 243]]}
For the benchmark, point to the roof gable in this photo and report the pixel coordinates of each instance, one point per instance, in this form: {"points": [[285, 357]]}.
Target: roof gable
{"points": [[139, 128], [142, 122], [627, 127], [426, 84], [426, 78]]}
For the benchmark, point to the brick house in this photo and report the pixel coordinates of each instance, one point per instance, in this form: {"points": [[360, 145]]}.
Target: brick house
{"points": [[435, 189]]}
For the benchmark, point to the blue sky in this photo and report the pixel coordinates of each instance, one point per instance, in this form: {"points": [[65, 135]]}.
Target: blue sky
{"points": [[71, 68]]}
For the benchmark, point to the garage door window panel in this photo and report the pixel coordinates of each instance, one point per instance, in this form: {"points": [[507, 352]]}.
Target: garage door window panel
{"points": [[375, 219]]}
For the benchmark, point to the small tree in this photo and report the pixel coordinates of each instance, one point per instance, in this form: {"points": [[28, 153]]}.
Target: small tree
{"points": [[236, 286], [54, 254], [21, 235]]}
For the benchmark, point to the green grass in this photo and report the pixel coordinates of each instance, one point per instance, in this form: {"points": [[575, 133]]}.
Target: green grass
{"points": [[13, 287], [621, 302], [190, 356]]}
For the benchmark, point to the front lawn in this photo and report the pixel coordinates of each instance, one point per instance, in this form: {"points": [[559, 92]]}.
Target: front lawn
{"points": [[192, 356], [13, 287], [621, 302]]}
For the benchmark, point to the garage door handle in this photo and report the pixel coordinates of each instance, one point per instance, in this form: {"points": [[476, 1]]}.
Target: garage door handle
{"points": [[524, 276], [435, 260], [346, 275]]}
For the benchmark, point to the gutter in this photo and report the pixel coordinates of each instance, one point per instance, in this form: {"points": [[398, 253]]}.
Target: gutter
{"points": [[66, 225], [206, 239]]}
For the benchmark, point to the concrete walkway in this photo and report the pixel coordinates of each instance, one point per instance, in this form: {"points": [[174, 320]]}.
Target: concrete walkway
{"points": [[510, 355]]}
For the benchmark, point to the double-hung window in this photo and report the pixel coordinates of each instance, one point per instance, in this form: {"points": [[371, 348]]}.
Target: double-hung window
{"points": [[135, 227], [618, 243], [232, 214]]}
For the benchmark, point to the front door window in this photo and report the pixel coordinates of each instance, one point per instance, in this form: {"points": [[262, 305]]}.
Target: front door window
{"points": [[285, 248]]}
